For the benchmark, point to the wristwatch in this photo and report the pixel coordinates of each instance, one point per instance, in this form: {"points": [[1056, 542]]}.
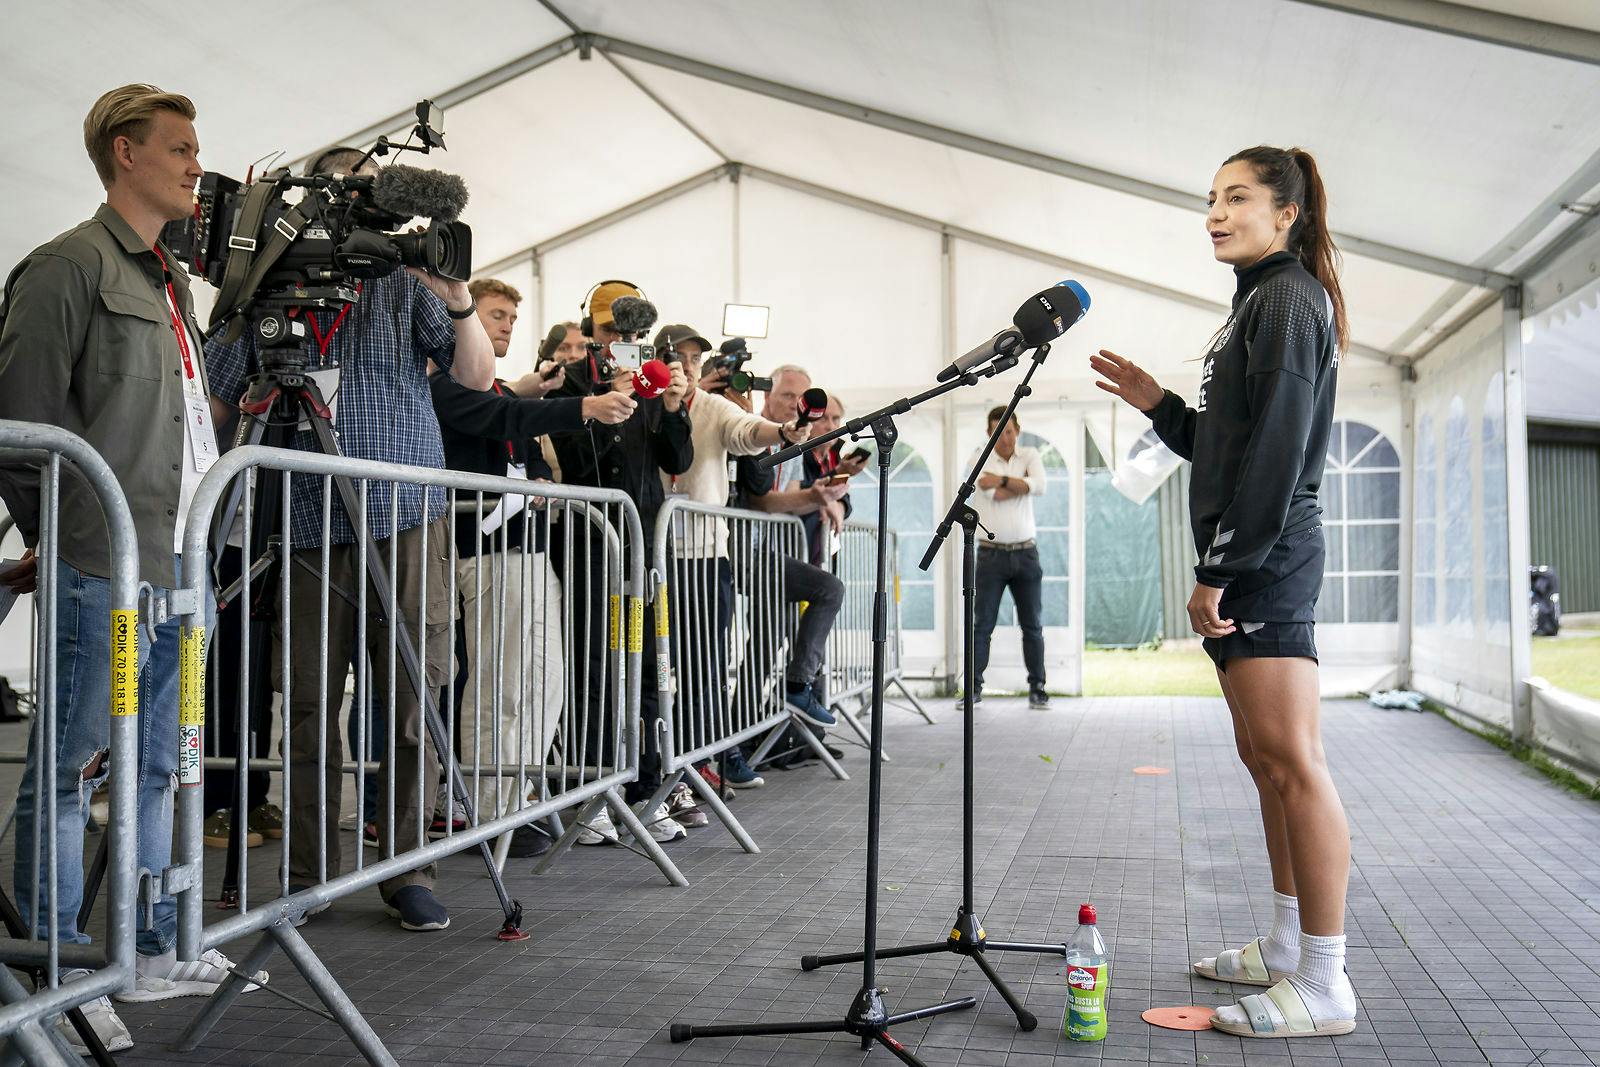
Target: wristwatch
{"points": [[1004, 481]]}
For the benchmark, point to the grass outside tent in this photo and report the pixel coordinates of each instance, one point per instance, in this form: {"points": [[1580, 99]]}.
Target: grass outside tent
{"points": [[1570, 661], [1175, 669]]}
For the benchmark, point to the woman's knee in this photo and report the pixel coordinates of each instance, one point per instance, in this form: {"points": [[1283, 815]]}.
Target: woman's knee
{"points": [[1289, 768]]}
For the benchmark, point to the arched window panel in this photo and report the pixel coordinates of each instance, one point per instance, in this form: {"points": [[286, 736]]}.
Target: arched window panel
{"points": [[911, 516], [1458, 518], [1360, 499], [1051, 516], [1496, 528], [1425, 545]]}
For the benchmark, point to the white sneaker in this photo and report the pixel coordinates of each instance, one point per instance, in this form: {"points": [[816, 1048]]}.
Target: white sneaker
{"points": [[599, 830], [662, 826], [102, 1019], [163, 977]]}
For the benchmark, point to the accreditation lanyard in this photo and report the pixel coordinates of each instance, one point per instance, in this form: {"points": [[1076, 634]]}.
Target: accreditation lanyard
{"points": [[201, 435]]}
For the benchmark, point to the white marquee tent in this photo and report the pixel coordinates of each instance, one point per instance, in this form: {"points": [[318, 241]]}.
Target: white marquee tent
{"points": [[893, 177]]}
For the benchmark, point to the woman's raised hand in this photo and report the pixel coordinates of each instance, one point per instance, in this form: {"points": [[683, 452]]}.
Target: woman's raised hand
{"points": [[1125, 378]]}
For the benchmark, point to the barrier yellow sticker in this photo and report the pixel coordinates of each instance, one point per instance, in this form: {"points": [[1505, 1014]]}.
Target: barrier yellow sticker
{"points": [[191, 703], [616, 620], [192, 677], [124, 662], [661, 610], [635, 624], [955, 934], [897, 589]]}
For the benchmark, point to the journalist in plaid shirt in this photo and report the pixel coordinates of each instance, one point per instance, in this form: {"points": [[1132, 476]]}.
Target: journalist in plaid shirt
{"points": [[384, 409]]}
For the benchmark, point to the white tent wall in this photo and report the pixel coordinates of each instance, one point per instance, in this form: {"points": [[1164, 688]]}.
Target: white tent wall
{"points": [[1462, 632]]}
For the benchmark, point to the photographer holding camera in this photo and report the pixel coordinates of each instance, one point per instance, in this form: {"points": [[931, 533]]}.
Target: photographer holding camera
{"points": [[380, 347], [97, 336], [631, 456]]}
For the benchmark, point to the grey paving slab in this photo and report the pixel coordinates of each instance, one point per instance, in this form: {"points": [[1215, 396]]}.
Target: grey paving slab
{"points": [[1474, 915]]}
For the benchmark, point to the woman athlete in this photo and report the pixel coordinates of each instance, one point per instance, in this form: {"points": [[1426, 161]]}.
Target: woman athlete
{"points": [[1257, 436]]}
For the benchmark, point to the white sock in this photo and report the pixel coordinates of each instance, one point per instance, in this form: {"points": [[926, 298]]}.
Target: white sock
{"points": [[1321, 979], [1280, 949]]}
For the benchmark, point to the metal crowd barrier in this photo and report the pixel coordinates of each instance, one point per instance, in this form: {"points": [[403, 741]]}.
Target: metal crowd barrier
{"points": [[506, 763], [723, 633], [849, 659], [34, 943]]}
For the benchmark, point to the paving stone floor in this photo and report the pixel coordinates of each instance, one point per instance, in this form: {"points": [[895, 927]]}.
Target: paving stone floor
{"points": [[1474, 910]]}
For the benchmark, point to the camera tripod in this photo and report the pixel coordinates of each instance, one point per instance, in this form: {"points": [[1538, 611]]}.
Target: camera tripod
{"points": [[276, 399]]}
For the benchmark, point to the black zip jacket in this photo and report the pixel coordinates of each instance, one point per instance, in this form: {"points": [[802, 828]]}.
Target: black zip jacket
{"points": [[484, 431], [1258, 434], [630, 456]]}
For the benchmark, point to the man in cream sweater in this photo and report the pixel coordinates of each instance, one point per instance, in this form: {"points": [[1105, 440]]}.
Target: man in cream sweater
{"points": [[700, 542]]}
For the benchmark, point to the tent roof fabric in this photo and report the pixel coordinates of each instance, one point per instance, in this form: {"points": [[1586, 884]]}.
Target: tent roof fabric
{"points": [[1086, 132]]}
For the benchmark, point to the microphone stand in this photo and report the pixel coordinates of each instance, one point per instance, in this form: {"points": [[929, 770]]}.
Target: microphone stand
{"points": [[867, 1017], [967, 936]]}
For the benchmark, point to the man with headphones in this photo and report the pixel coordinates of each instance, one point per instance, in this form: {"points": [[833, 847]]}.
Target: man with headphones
{"points": [[630, 456]]}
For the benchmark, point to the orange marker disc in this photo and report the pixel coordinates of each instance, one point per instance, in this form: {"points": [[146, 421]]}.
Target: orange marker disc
{"points": [[1179, 1018], [1152, 770]]}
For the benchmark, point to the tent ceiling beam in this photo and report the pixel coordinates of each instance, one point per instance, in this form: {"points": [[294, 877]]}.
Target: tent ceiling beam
{"points": [[460, 94], [611, 218], [966, 142], [1477, 24], [1022, 251]]}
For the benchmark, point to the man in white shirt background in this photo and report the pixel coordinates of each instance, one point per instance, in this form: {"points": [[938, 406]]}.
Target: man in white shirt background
{"points": [[1011, 478]]}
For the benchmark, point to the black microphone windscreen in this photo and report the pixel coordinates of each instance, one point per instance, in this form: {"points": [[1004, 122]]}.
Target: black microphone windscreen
{"points": [[632, 314], [1047, 315], [412, 191], [731, 345]]}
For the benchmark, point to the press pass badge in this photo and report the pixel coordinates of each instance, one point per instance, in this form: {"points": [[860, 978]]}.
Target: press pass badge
{"points": [[202, 438]]}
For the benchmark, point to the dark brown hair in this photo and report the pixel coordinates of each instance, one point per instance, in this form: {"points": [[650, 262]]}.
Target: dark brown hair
{"points": [[1291, 174], [996, 414]]}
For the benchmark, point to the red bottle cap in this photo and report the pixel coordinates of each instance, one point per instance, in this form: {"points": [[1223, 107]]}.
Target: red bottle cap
{"points": [[1086, 915]]}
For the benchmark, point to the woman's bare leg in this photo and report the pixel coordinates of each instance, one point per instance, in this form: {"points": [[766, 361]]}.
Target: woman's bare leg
{"points": [[1271, 809]]}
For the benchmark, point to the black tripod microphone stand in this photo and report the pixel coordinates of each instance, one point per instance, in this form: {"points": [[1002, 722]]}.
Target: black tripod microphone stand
{"points": [[868, 1018], [967, 936]]}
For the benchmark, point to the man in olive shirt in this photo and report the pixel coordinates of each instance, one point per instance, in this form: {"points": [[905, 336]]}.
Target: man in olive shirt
{"points": [[97, 336]]}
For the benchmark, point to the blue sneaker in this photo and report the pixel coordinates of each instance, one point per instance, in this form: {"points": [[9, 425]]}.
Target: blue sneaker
{"points": [[417, 909], [804, 703], [739, 773]]}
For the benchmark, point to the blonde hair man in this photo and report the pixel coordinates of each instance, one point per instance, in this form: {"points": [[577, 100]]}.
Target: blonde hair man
{"points": [[98, 336]]}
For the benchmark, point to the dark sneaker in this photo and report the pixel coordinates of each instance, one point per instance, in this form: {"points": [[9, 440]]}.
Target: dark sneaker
{"points": [[417, 909], [528, 842], [681, 806], [219, 826], [804, 702], [266, 820], [1038, 698], [740, 774], [977, 698]]}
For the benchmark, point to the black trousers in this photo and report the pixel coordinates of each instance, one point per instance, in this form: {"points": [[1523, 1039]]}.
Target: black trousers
{"points": [[1020, 572]]}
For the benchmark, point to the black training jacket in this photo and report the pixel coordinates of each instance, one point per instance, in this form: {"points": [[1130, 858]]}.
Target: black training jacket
{"points": [[1258, 433], [484, 431]]}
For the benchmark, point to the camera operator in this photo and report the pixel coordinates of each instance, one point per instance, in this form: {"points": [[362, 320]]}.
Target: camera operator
{"points": [[721, 427], [630, 456], [380, 348], [491, 432], [97, 336]]}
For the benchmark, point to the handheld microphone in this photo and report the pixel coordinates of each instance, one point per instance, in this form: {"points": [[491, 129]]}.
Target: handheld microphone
{"points": [[651, 379], [412, 191], [1042, 318], [813, 405]]}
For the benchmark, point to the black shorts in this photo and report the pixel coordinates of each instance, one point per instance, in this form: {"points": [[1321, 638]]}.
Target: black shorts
{"points": [[1284, 590]]}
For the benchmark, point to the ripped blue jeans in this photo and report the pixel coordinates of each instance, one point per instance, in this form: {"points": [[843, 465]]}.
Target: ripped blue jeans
{"points": [[83, 701]]}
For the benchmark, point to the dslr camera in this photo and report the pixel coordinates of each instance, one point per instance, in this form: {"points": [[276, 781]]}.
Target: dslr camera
{"points": [[269, 257], [733, 354]]}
